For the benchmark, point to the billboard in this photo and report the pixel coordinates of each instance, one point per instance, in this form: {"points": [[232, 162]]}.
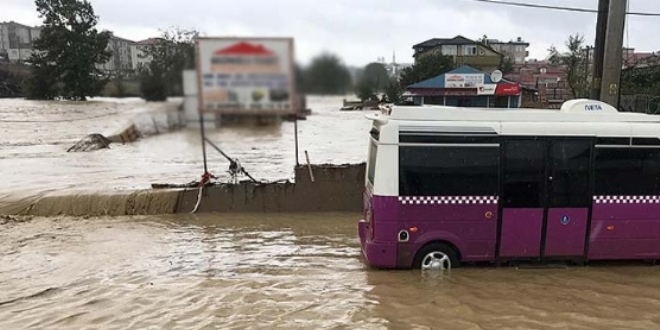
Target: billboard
{"points": [[246, 75], [463, 80]]}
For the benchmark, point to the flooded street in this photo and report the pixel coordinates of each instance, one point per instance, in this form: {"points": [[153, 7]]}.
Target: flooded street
{"points": [[249, 271], [284, 271], [36, 135]]}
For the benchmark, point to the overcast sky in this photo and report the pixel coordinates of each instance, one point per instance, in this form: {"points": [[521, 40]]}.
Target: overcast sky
{"points": [[359, 31]]}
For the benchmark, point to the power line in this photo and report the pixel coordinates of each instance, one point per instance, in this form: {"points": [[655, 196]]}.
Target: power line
{"points": [[573, 9]]}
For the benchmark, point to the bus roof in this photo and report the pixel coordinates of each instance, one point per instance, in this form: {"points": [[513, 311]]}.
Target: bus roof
{"points": [[581, 110]]}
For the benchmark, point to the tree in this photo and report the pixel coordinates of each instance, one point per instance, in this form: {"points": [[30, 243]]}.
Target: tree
{"points": [[376, 76], [152, 83], [327, 75], [506, 66], [427, 66], [173, 53], [642, 78], [67, 52], [301, 86], [393, 90], [573, 63], [364, 91]]}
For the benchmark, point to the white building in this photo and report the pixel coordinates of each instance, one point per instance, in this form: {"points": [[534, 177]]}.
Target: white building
{"points": [[121, 59], [16, 40], [138, 52]]}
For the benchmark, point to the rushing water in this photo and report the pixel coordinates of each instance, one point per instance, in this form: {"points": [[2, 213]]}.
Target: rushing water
{"points": [[259, 271], [284, 272], [36, 135]]}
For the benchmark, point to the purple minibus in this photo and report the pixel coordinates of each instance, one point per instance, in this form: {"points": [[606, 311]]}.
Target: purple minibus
{"points": [[447, 185]]}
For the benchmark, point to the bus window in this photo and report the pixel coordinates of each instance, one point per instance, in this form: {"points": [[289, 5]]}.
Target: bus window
{"points": [[448, 171], [627, 171], [523, 179]]}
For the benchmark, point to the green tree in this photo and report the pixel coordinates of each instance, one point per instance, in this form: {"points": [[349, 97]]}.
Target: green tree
{"points": [[301, 86], [376, 76], [506, 66], [393, 90], [327, 75], [173, 53], [67, 52], [364, 91], [152, 83], [427, 66], [642, 77], [573, 63]]}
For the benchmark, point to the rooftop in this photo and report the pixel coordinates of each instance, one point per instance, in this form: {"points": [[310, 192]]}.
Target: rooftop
{"points": [[457, 40]]}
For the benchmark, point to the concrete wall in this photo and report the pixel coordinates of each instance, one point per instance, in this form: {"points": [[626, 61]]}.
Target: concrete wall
{"points": [[336, 188]]}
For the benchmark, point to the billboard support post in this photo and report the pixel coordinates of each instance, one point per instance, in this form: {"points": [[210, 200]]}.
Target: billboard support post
{"points": [[201, 129], [295, 135]]}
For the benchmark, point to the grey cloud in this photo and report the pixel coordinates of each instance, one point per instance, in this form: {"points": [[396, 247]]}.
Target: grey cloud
{"points": [[360, 31]]}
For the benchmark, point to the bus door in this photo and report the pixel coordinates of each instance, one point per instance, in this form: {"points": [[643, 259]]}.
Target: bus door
{"points": [[545, 197]]}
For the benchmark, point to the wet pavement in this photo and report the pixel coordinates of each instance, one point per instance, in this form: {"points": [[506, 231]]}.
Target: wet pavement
{"points": [[301, 271]]}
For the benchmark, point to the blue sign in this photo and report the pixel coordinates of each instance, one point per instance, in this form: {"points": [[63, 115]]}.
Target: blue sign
{"points": [[565, 220]]}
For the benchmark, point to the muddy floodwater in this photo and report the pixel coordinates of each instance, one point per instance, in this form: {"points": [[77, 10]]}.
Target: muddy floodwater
{"points": [[36, 135], [299, 271]]}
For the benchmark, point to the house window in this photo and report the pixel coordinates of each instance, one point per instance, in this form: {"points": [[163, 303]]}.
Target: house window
{"points": [[543, 70], [449, 50], [469, 50]]}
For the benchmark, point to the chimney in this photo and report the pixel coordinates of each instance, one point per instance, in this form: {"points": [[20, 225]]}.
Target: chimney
{"points": [[519, 39]]}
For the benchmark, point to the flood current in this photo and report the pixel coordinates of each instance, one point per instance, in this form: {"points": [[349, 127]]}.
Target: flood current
{"points": [[241, 271], [285, 271]]}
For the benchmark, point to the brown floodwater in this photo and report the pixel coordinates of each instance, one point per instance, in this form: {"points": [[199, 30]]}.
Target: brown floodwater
{"points": [[34, 137], [266, 271]]}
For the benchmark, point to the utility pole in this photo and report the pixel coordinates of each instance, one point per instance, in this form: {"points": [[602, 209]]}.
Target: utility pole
{"points": [[599, 48], [612, 61]]}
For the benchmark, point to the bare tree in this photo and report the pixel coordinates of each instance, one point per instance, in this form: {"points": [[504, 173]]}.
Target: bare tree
{"points": [[573, 63]]}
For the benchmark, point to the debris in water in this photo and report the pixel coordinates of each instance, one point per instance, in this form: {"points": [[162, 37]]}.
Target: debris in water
{"points": [[90, 143]]}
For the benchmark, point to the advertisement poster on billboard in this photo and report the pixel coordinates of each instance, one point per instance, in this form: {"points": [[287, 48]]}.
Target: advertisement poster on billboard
{"points": [[463, 80], [246, 75], [486, 89]]}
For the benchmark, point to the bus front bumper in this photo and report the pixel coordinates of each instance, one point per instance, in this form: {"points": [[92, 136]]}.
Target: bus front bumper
{"points": [[377, 254]]}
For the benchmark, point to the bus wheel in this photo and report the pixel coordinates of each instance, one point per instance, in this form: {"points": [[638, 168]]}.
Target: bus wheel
{"points": [[436, 256]]}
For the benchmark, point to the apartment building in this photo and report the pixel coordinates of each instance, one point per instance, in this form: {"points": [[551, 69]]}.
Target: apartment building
{"points": [[17, 40], [516, 50], [140, 58], [122, 58], [464, 51]]}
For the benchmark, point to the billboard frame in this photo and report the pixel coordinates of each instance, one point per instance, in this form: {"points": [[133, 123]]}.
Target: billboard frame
{"points": [[235, 111]]}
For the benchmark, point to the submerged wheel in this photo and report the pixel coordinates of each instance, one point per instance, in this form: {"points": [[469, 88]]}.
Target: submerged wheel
{"points": [[436, 256]]}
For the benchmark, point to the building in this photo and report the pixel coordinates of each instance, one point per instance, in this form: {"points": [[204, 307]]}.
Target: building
{"points": [[548, 79], [17, 40], [516, 50], [466, 87], [121, 59], [139, 54], [464, 51]]}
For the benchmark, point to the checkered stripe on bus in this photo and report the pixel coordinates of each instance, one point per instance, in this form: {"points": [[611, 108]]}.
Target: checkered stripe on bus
{"points": [[627, 199], [448, 199]]}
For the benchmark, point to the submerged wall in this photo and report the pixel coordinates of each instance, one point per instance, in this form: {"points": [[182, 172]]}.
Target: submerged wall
{"points": [[336, 188]]}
